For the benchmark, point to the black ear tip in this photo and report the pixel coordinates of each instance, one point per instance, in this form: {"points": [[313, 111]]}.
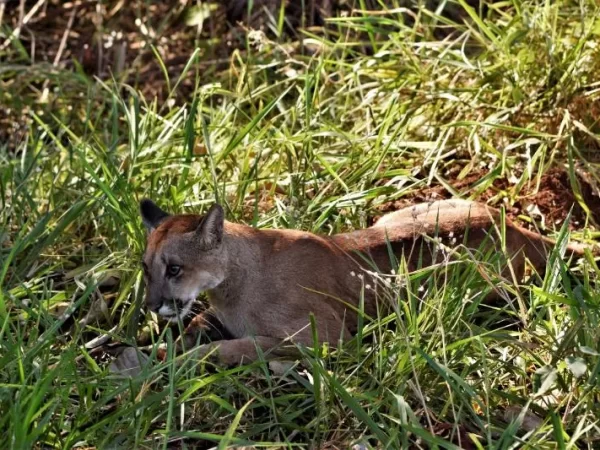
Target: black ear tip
{"points": [[146, 204], [216, 210]]}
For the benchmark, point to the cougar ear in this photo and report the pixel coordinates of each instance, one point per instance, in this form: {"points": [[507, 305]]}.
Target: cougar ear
{"points": [[152, 215], [210, 230]]}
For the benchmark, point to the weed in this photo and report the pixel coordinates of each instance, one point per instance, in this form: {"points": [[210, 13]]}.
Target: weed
{"points": [[319, 136]]}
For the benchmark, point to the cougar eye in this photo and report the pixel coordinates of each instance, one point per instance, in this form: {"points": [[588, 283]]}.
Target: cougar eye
{"points": [[173, 270]]}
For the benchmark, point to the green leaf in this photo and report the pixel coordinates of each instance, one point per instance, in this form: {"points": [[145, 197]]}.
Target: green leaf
{"points": [[576, 365], [197, 15], [547, 376], [231, 430], [237, 139], [559, 432], [355, 406], [588, 350]]}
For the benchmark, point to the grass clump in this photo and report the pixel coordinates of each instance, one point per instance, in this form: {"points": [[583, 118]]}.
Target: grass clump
{"points": [[374, 113]]}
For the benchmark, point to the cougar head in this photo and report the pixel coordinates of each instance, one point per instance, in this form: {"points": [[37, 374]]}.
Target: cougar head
{"points": [[184, 256]]}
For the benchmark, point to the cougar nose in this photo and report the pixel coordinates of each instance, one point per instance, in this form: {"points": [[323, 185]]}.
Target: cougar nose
{"points": [[155, 306]]}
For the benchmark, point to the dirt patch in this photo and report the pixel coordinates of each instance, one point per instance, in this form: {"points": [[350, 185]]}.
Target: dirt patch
{"points": [[556, 196], [63, 42], [553, 199]]}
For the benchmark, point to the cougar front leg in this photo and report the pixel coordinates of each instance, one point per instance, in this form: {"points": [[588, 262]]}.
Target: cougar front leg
{"points": [[245, 350], [203, 328]]}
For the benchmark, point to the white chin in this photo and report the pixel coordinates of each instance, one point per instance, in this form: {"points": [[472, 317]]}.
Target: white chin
{"points": [[171, 315], [166, 311]]}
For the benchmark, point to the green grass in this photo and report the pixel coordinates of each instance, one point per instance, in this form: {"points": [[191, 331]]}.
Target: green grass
{"points": [[285, 139]]}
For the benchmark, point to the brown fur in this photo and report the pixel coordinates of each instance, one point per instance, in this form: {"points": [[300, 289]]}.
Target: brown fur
{"points": [[269, 281], [172, 226]]}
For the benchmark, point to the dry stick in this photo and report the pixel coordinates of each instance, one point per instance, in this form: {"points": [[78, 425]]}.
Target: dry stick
{"points": [[61, 49], [21, 13], [63, 41], [22, 22], [99, 24], [102, 339], [2, 6]]}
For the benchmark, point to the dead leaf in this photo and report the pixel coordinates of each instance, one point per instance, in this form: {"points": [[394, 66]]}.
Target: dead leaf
{"points": [[129, 363], [98, 310], [529, 420], [109, 281], [199, 149], [359, 447], [280, 368], [59, 308]]}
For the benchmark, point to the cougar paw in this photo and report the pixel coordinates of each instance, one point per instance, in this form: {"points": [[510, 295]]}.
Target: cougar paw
{"points": [[161, 352], [206, 352]]}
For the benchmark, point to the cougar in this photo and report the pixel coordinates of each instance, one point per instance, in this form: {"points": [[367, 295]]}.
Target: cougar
{"points": [[263, 284]]}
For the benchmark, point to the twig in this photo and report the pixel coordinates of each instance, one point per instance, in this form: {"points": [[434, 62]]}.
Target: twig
{"points": [[102, 339], [63, 41], [61, 49], [2, 6], [17, 31]]}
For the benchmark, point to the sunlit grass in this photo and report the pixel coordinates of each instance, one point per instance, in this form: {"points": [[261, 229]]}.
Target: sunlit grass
{"points": [[315, 141]]}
